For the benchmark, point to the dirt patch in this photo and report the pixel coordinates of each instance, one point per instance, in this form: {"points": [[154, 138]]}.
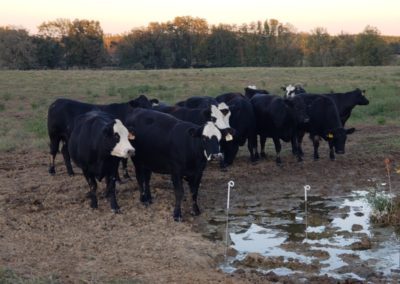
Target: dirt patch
{"points": [[48, 228]]}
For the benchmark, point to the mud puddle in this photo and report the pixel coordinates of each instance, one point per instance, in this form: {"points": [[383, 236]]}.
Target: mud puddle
{"points": [[327, 236]]}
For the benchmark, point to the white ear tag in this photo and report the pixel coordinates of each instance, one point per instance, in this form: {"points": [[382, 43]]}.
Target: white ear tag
{"points": [[228, 137]]}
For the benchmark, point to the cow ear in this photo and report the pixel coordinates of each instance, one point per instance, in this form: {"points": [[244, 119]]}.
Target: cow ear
{"points": [[350, 130], [109, 130], [283, 88], [131, 135]]}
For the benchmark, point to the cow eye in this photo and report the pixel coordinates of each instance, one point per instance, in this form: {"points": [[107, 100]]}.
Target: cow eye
{"points": [[116, 135], [213, 119]]}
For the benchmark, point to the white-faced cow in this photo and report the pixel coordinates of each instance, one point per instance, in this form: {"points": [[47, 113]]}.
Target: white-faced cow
{"points": [[167, 145], [96, 145], [60, 122], [243, 121], [293, 90]]}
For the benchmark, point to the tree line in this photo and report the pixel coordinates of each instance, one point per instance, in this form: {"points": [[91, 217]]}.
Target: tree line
{"points": [[188, 42]]}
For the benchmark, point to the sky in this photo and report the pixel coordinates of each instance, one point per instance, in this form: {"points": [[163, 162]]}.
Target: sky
{"points": [[121, 16]]}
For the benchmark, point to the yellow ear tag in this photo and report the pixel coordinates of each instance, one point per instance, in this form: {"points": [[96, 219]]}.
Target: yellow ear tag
{"points": [[131, 136], [330, 135]]}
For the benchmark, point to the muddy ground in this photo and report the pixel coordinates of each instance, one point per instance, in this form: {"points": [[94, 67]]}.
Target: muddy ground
{"points": [[47, 228]]}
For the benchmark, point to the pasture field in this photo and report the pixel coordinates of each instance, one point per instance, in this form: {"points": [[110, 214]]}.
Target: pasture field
{"points": [[48, 233]]}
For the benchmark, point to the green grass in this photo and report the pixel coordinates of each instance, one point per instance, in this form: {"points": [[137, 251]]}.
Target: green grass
{"points": [[23, 106], [8, 276]]}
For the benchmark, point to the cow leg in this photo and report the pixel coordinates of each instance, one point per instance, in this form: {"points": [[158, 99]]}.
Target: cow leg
{"points": [[300, 137], [295, 147], [67, 159], [252, 147], [331, 151], [315, 140], [143, 180], [93, 188], [278, 148], [194, 183], [54, 145], [111, 193], [255, 147], [263, 139], [178, 189]]}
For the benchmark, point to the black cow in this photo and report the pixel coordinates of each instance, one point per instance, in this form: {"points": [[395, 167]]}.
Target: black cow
{"points": [[243, 120], [325, 123], [345, 102], [278, 118], [198, 102], [96, 145], [250, 91], [167, 145], [60, 122]]}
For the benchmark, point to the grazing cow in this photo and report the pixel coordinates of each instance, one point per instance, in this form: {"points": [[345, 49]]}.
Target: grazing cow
{"points": [[324, 123], [167, 145], [244, 122], [293, 90], [96, 145], [60, 122], [250, 91], [278, 118]]}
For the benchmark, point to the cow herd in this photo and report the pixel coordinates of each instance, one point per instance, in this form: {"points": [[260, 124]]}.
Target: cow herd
{"points": [[178, 140]]}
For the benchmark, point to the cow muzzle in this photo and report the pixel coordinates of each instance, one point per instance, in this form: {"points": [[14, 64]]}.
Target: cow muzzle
{"points": [[218, 157], [131, 152]]}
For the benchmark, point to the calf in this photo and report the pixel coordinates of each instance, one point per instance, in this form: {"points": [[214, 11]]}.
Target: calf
{"points": [[96, 145], [60, 122], [325, 123], [243, 121], [167, 145], [278, 118]]}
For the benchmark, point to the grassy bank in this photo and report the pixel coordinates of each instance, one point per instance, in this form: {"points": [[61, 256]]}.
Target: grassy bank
{"points": [[26, 95]]}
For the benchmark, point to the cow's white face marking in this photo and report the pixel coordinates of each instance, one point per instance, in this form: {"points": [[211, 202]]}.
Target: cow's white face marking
{"points": [[223, 107], [220, 120], [290, 90], [253, 87], [211, 130], [123, 146]]}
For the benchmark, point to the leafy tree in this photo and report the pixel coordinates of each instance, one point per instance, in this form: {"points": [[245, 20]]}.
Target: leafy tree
{"points": [[370, 48], [222, 46], [342, 50], [17, 50], [318, 48]]}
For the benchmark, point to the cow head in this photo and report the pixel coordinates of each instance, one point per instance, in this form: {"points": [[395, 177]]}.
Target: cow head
{"points": [[337, 138], [221, 121], [252, 90], [117, 139], [293, 90], [210, 137], [299, 108], [142, 101], [361, 99]]}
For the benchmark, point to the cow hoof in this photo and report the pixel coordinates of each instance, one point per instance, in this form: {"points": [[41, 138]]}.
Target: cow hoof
{"points": [[71, 173], [263, 155], [94, 205], [52, 170], [116, 211], [316, 158], [333, 159], [195, 211]]}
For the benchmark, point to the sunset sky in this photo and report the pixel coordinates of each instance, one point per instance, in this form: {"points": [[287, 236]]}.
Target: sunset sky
{"points": [[119, 16]]}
